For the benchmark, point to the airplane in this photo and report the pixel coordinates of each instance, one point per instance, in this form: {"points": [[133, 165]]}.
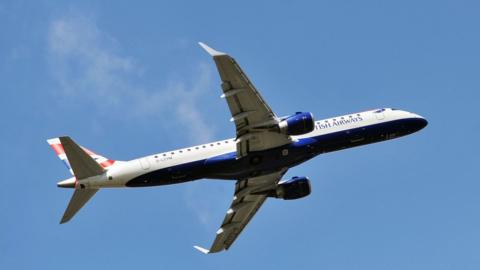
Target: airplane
{"points": [[264, 148]]}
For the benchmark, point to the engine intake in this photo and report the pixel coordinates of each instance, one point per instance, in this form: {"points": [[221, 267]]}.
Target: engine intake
{"points": [[298, 124], [295, 188]]}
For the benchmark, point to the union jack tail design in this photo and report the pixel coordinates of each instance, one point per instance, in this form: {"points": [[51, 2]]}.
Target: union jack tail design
{"points": [[58, 148]]}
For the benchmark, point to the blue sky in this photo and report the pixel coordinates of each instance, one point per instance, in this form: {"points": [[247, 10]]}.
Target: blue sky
{"points": [[128, 80]]}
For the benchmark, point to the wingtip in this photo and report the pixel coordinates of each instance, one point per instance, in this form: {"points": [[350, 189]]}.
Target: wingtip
{"points": [[201, 249], [210, 50], [64, 219]]}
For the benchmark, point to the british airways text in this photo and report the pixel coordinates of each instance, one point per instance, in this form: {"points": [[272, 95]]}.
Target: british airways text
{"points": [[335, 123]]}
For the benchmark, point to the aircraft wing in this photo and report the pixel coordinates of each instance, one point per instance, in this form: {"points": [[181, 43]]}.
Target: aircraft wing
{"points": [[254, 119], [247, 200]]}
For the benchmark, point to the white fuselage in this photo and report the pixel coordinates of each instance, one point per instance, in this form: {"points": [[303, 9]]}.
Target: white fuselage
{"points": [[122, 172]]}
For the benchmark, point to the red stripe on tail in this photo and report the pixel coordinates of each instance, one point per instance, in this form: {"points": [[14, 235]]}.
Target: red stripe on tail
{"points": [[107, 163], [58, 148]]}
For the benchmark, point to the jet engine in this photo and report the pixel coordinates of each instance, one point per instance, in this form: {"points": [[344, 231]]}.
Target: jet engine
{"points": [[295, 188], [298, 124]]}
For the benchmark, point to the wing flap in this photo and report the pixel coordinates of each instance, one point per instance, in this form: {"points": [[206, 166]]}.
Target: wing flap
{"points": [[253, 117], [245, 217], [241, 94], [244, 206]]}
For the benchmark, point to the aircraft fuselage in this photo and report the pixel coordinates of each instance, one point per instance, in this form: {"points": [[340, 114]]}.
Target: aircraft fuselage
{"points": [[218, 160]]}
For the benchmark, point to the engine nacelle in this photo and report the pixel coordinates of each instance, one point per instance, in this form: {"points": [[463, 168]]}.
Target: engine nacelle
{"points": [[295, 188], [298, 124]]}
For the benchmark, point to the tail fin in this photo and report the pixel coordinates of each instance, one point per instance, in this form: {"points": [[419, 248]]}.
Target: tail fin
{"points": [[57, 146], [82, 164]]}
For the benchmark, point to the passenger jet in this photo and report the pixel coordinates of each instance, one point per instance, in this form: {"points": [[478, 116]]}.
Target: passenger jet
{"points": [[264, 148]]}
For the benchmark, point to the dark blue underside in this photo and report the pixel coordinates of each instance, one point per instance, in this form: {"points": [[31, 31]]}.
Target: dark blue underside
{"points": [[263, 162]]}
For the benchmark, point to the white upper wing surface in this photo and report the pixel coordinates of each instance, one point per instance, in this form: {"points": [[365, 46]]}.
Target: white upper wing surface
{"points": [[255, 121], [249, 197]]}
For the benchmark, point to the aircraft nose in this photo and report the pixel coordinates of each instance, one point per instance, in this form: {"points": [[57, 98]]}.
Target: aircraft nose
{"points": [[418, 123]]}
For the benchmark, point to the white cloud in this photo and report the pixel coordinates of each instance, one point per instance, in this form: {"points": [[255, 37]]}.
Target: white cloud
{"points": [[200, 205], [87, 66], [209, 206]]}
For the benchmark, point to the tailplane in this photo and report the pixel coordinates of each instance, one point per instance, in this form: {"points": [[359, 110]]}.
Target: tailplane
{"points": [[79, 198], [83, 164]]}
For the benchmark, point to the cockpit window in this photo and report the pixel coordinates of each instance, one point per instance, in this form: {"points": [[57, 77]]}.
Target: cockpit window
{"points": [[379, 110], [393, 109]]}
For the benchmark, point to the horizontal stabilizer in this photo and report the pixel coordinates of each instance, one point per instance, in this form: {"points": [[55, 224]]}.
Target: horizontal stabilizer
{"points": [[58, 148], [79, 199], [83, 165]]}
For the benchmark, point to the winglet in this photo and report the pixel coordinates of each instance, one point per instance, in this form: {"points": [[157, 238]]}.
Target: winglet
{"points": [[210, 51], [201, 249]]}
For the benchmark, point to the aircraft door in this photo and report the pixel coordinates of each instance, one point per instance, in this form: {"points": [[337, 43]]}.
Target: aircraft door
{"points": [[144, 163]]}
